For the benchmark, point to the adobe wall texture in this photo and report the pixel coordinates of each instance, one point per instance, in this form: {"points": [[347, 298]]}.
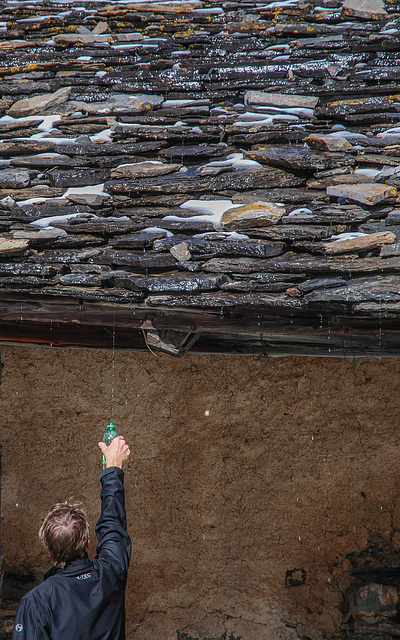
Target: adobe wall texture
{"points": [[244, 469]]}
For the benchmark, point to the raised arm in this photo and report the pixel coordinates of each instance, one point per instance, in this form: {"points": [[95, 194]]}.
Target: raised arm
{"points": [[114, 544]]}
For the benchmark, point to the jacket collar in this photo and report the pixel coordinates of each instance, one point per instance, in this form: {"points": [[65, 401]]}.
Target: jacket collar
{"points": [[75, 567]]}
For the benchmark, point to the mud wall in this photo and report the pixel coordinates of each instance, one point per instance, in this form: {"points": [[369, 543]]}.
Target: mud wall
{"points": [[250, 480]]}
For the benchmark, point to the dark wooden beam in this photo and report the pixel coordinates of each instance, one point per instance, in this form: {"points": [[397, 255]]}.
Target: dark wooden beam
{"points": [[77, 323]]}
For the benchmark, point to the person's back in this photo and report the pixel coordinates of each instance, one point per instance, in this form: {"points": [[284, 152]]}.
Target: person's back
{"points": [[82, 599]]}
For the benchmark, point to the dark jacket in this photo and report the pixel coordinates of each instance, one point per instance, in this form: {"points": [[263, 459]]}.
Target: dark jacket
{"points": [[85, 600]]}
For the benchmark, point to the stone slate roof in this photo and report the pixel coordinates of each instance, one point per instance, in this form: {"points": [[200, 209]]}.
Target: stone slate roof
{"points": [[220, 176]]}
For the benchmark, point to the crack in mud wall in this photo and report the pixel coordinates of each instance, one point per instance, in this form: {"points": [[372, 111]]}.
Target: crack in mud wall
{"points": [[251, 479]]}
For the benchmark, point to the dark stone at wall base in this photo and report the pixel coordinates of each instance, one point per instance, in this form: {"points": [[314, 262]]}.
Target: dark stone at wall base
{"points": [[370, 635], [295, 577]]}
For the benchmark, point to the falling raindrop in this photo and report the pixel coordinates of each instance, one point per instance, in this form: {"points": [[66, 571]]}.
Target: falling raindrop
{"points": [[329, 336], [113, 363]]}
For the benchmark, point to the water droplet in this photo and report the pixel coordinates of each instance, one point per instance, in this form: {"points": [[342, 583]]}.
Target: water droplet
{"points": [[329, 335], [113, 362]]}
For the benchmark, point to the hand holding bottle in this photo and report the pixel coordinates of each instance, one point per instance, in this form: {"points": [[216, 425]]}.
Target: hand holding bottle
{"points": [[116, 453]]}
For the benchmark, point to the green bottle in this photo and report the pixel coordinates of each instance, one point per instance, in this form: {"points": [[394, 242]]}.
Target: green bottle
{"points": [[109, 435]]}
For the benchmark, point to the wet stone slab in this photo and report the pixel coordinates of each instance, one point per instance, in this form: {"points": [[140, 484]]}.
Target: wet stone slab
{"points": [[133, 260], [299, 158], [176, 282], [60, 257], [227, 299], [181, 183], [199, 247], [291, 233], [76, 178], [84, 280], [377, 288], [141, 240]]}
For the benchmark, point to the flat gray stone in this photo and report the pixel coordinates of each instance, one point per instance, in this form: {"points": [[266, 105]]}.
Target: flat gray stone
{"points": [[263, 98], [31, 106], [42, 234], [82, 38], [368, 9], [102, 27], [13, 246], [361, 243], [328, 143], [390, 250], [89, 199], [121, 103], [181, 252], [258, 214], [144, 170], [10, 179], [369, 193], [350, 178]]}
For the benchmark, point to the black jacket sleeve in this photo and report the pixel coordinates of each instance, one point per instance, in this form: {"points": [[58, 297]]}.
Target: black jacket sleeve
{"points": [[114, 543], [28, 624]]}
